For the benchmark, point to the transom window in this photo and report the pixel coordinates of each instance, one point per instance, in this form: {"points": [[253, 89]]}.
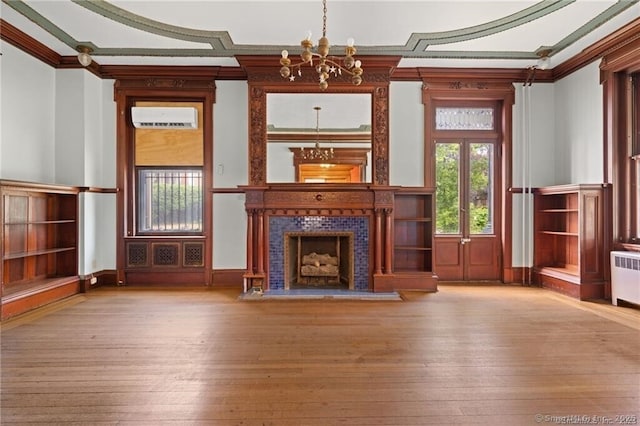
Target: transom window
{"points": [[448, 118]]}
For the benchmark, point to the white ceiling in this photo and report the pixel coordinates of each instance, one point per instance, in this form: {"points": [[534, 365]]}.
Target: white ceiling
{"points": [[472, 33]]}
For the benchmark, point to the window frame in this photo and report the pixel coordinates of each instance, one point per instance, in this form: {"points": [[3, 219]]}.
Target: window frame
{"points": [[622, 142], [139, 201]]}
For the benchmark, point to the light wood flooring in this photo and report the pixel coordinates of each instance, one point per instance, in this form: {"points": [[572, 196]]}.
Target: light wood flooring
{"points": [[491, 355]]}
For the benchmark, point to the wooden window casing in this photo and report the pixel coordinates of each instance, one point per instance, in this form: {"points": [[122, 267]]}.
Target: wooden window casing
{"points": [[620, 69]]}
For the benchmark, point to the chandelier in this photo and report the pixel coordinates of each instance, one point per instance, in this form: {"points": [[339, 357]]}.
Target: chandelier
{"points": [[316, 153], [325, 65]]}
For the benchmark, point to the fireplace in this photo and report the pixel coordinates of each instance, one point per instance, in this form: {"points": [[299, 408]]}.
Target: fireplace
{"points": [[318, 260], [323, 232]]}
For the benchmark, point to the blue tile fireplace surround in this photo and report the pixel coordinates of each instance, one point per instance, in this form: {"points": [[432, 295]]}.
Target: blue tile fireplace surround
{"points": [[280, 225]]}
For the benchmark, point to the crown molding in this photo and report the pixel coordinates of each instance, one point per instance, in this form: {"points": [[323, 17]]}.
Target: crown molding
{"points": [[625, 36], [28, 44]]}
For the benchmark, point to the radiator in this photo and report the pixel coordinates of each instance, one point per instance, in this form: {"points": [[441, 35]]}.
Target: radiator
{"points": [[625, 277]]}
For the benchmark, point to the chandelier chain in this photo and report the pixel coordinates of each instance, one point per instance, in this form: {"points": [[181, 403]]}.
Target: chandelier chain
{"points": [[324, 18], [317, 153]]}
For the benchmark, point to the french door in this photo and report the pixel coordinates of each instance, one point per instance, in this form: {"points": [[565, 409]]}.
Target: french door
{"points": [[467, 241]]}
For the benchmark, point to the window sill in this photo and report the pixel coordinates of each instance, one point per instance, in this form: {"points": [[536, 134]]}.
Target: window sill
{"points": [[630, 246]]}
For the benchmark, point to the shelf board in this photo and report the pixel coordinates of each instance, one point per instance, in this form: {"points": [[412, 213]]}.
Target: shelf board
{"points": [[567, 272], [569, 234], [412, 219], [560, 210], [27, 288], [21, 254], [414, 248]]}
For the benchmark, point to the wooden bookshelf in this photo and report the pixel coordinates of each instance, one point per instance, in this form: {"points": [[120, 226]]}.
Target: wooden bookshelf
{"points": [[413, 239], [569, 239], [39, 245]]}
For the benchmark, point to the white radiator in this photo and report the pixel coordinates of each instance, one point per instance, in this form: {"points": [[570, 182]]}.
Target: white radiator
{"points": [[625, 277]]}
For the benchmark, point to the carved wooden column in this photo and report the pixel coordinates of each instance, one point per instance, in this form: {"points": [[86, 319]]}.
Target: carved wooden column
{"points": [[378, 243], [261, 245], [254, 277], [388, 242], [250, 231]]}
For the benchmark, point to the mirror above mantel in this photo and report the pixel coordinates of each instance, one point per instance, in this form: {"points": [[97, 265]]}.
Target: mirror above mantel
{"points": [[319, 137], [264, 79]]}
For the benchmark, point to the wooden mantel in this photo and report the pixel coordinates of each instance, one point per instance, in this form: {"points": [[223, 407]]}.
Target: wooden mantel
{"points": [[372, 202], [375, 203]]}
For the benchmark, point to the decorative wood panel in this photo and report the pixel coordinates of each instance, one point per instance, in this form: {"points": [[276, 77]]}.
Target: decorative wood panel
{"points": [[165, 254], [193, 254], [137, 255]]}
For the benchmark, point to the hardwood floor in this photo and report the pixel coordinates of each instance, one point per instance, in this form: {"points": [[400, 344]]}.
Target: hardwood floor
{"points": [[493, 355]]}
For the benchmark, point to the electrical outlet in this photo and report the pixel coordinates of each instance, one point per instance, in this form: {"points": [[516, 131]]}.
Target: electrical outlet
{"points": [[94, 280]]}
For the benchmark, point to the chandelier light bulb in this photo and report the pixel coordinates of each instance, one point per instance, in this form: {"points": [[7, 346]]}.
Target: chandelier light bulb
{"points": [[351, 42], [358, 63], [308, 36], [285, 54]]}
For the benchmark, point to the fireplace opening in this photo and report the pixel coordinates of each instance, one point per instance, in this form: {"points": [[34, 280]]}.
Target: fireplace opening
{"points": [[319, 260]]}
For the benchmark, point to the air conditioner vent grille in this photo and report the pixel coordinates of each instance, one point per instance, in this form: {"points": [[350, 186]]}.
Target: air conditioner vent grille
{"points": [[164, 117]]}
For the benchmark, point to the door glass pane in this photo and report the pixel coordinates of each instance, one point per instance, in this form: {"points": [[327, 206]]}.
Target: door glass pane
{"points": [[481, 188], [447, 188], [464, 118]]}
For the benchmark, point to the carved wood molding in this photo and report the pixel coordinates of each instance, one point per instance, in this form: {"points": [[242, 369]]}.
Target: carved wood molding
{"points": [[182, 84], [626, 58], [319, 199], [486, 88]]}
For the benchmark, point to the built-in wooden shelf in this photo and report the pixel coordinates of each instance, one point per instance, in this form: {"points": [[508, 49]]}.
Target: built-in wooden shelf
{"points": [[569, 239], [39, 245], [413, 239]]}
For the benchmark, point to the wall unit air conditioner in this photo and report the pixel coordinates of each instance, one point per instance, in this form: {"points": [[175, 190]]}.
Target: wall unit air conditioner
{"points": [[625, 277], [164, 117]]}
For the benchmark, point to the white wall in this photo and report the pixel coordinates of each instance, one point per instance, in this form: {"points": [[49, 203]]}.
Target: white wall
{"points": [[230, 134], [229, 232], [534, 121], [406, 134], [28, 117], [230, 159], [579, 153], [69, 129]]}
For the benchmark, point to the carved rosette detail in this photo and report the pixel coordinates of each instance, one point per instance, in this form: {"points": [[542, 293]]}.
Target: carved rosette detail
{"points": [[478, 85]]}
